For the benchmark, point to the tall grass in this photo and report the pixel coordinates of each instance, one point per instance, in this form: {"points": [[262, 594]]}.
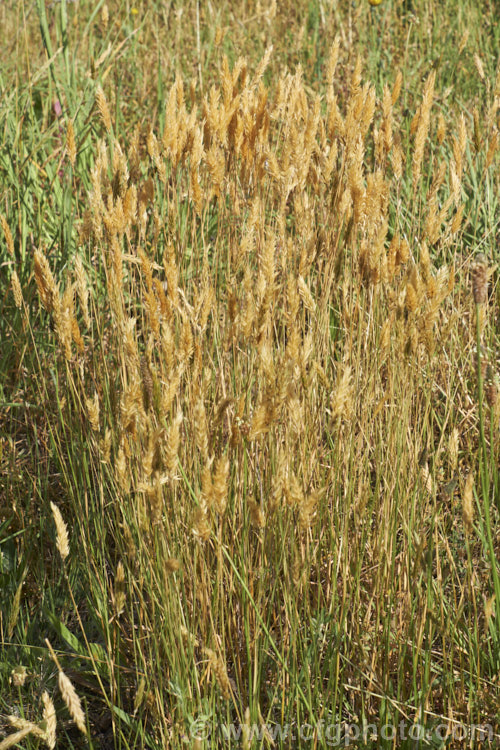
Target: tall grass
{"points": [[250, 452]]}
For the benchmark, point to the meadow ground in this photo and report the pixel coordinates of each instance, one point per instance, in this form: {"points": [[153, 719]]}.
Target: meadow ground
{"points": [[249, 416]]}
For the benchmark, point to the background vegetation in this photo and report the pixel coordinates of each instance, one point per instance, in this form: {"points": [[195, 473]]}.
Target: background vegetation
{"points": [[249, 393]]}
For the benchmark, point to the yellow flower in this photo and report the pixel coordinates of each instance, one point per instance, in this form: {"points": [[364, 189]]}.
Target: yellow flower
{"points": [[374, 2]]}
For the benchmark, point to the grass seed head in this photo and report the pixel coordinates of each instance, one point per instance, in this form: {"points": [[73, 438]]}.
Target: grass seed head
{"points": [[119, 592], [72, 702], [62, 541], [480, 279], [49, 717], [102, 106], [257, 517], [219, 669], [491, 393], [479, 67], [172, 565], [47, 287], [16, 290], [8, 235], [18, 723], [14, 610], [422, 128], [201, 525], [14, 739], [93, 411]]}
